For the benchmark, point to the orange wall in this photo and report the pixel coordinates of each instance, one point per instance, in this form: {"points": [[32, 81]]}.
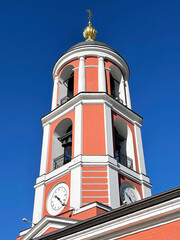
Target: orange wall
{"points": [[168, 231], [84, 214], [91, 75], [53, 126], [93, 130], [94, 184], [48, 187], [131, 126]]}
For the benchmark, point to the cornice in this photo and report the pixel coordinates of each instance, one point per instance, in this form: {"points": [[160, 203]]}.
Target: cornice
{"points": [[93, 98], [98, 51]]}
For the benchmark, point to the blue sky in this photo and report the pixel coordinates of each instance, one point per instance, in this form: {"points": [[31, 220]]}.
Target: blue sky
{"points": [[33, 35]]}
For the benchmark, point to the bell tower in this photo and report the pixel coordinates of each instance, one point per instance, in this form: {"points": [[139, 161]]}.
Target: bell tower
{"points": [[92, 148]]}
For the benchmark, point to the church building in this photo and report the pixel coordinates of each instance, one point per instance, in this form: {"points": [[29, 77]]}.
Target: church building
{"points": [[92, 182]]}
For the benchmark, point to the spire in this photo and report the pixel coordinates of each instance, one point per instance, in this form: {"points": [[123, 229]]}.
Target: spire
{"points": [[89, 32]]}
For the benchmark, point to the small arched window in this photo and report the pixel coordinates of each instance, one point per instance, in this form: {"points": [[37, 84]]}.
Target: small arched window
{"points": [[118, 144], [62, 144], [70, 86], [123, 144], [116, 84], [66, 86], [66, 142]]}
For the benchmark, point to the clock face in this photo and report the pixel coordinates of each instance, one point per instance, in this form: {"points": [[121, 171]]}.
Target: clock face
{"points": [[57, 198], [128, 193]]}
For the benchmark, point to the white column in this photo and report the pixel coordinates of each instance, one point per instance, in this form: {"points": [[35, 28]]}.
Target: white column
{"points": [[45, 149], [82, 75], [38, 203], [76, 187], [139, 148], [108, 130], [101, 75], [122, 91], [78, 131], [128, 95], [113, 187], [55, 93], [146, 190]]}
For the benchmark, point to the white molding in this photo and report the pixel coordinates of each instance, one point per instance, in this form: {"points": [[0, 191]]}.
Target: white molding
{"points": [[45, 224], [113, 188], [92, 205], [45, 148], [38, 203], [76, 187], [139, 148], [92, 51], [128, 94], [117, 107], [78, 130], [108, 130], [54, 96], [92, 160]]}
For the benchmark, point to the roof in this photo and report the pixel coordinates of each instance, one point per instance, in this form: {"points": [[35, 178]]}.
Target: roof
{"points": [[90, 43], [114, 214]]}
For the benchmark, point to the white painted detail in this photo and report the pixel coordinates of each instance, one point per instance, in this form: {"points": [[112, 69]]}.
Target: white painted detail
{"points": [[38, 203], [139, 148], [45, 148], [55, 93], [76, 187], [113, 188], [108, 130], [127, 94], [82, 75], [101, 75], [78, 131], [93, 51]]}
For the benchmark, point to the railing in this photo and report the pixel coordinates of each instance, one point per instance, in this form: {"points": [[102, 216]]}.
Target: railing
{"points": [[126, 161], [118, 99], [60, 161], [64, 99]]}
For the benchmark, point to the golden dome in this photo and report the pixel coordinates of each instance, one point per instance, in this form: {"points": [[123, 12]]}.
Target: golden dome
{"points": [[90, 32]]}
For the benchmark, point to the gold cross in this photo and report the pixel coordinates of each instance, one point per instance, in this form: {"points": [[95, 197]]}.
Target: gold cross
{"points": [[90, 15]]}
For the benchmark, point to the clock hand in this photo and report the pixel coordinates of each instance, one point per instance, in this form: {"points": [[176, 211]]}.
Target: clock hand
{"points": [[129, 197], [59, 199]]}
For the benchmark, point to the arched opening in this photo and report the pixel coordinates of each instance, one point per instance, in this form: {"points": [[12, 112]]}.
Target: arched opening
{"points": [[62, 144], [66, 86], [123, 144], [116, 84]]}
